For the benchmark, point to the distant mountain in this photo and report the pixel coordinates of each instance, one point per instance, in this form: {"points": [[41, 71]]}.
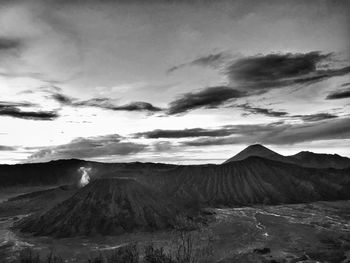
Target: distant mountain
{"points": [[304, 158], [108, 207], [254, 180], [67, 172], [319, 160], [260, 151]]}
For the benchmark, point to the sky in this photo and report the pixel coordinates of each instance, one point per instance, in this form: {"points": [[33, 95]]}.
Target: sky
{"points": [[182, 82]]}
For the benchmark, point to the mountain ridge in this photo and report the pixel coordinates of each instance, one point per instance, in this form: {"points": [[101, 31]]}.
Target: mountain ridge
{"points": [[303, 158]]}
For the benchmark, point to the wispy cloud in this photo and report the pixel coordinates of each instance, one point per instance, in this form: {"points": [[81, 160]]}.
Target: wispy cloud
{"points": [[211, 97], [105, 103], [7, 148], [185, 133], [13, 109], [280, 133], [283, 114], [212, 60], [340, 94], [260, 110], [91, 147]]}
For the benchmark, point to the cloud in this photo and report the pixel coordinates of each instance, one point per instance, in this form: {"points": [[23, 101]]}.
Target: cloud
{"points": [[162, 146], [283, 114], [315, 117], [265, 72], [63, 99], [11, 109], [263, 111], [186, 133], [8, 44], [105, 103], [91, 147], [211, 60], [137, 106], [254, 75], [280, 133], [341, 94], [7, 148], [211, 97]]}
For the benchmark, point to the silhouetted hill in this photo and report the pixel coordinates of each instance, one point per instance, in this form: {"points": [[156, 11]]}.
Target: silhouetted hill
{"points": [[106, 206], [260, 151], [304, 158], [319, 160]]}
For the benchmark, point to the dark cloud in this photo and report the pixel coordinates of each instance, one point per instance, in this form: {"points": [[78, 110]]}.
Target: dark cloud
{"points": [[13, 110], [341, 94], [345, 84], [186, 133], [92, 147], [63, 99], [264, 111], [211, 60], [283, 114], [280, 133], [7, 148], [264, 72], [316, 117], [137, 106], [7, 44], [206, 98], [104, 103]]}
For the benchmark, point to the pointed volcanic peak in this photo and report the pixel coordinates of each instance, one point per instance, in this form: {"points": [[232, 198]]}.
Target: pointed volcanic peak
{"points": [[108, 207], [321, 160], [259, 151]]}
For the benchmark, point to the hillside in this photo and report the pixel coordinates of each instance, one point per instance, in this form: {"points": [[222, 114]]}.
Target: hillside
{"points": [[319, 160], [254, 180], [108, 207]]}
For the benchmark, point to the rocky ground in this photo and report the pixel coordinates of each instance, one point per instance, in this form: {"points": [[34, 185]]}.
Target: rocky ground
{"points": [[314, 232]]}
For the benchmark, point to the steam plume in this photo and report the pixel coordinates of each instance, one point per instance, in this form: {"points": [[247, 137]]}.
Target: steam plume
{"points": [[85, 178]]}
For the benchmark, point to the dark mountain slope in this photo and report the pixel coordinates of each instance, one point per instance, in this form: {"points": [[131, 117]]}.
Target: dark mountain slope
{"points": [[67, 172], [260, 151], [254, 180], [319, 160], [105, 206], [36, 201]]}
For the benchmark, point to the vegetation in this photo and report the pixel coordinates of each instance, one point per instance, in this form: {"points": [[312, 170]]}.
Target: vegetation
{"points": [[186, 248]]}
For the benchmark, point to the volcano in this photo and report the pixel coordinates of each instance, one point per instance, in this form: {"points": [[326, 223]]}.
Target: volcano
{"points": [[108, 207], [258, 150]]}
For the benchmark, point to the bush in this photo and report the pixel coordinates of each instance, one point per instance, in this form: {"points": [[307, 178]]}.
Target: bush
{"points": [[156, 255], [185, 248], [29, 256], [126, 254]]}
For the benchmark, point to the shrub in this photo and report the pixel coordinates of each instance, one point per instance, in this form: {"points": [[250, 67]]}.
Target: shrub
{"points": [[126, 254], [156, 255], [28, 256]]}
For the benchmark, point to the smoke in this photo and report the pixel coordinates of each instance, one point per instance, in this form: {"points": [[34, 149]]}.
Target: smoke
{"points": [[85, 178]]}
